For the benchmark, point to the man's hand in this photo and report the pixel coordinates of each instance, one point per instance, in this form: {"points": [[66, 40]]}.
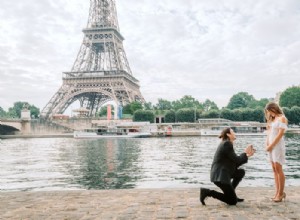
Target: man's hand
{"points": [[249, 150]]}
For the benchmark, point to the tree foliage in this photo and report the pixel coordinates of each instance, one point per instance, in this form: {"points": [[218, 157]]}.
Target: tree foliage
{"points": [[147, 106], [259, 103], [295, 115], [132, 107], [163, 105], [15, 111], [244, 100], [210, 114], [186, 115], [34, 111], [187, 102], [103, 111], [170, 116], [290, 97], [2, 113], [209, 105], [143, 115], [241, 107], [292, 114], [246, 114], [240, 100]]}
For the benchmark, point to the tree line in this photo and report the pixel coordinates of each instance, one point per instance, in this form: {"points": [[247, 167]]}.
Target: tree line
{"points": [[241, 107], [15, 111]]}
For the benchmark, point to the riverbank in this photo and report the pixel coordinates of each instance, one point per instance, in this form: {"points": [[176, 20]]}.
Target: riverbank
{"points": [[146, 204], [64, 135], [182, 133]]}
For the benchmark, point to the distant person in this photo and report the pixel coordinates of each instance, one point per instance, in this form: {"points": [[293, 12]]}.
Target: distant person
{"points": [[225, 172], [276, 126]]}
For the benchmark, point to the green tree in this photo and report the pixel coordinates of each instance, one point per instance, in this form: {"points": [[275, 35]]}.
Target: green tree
{"points": [[132, 107], [258, 114], [186, 115], [170, 116], [103, 111], [227, 114], [288, 114], [2, 113], [296, 114], [127, 109], [246, 114], [143, 115], [209, 105], [163, 105], [290, 97], [240, 100], [260, 103], [238, 116], [34, 111], [211, 114], [148, 106], [136, 106], [249, 114], [15, 111], [186, 102]]}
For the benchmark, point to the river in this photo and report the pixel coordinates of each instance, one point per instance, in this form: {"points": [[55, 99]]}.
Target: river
{"points": [[176, 162]]}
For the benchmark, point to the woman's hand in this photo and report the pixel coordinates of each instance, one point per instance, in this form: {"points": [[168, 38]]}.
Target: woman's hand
{"points": [[269, 148]]}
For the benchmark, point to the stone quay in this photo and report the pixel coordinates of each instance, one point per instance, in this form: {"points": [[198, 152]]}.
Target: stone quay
{"points": [[147, 204]]}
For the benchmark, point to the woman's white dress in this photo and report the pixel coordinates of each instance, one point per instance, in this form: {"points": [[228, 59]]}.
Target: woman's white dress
{"points": [[278, 152]]}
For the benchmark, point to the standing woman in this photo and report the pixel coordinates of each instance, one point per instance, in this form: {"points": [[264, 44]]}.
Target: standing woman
{"points": [[276, 126]]}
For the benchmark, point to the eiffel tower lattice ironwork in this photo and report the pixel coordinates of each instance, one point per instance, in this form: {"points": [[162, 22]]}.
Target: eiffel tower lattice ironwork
{"points": [[101, 72]]}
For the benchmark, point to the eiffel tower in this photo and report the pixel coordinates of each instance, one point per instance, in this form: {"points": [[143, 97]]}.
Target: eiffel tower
{"points": [[101, 71]]}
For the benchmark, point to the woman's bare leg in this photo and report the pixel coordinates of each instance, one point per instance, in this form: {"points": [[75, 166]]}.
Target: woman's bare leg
{"points": [[280, 179], [276, 180]]}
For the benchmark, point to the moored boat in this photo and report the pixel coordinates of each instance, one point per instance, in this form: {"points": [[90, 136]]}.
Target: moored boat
{"points": [[240, 130], [98, 133]]}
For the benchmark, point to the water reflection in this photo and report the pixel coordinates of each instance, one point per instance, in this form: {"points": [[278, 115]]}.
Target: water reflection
{"points": [[293, 157], [56, 164], [104, 164]]}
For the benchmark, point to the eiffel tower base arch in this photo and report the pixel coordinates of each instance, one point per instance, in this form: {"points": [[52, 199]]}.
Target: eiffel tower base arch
{"points": [[93, 93]]}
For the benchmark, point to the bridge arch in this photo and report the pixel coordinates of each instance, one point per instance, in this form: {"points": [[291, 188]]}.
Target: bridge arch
{"points": [[8, 130]]}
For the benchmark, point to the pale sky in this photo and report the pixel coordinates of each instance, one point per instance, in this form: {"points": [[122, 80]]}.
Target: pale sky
{"points": [[209, 49]]}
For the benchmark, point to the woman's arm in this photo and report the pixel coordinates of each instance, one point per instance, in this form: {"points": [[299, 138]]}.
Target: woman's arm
{"points": [[280, 134], [268, 133]]}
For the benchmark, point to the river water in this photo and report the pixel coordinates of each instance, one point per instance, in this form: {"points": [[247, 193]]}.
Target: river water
{"points": [[177, 162]]}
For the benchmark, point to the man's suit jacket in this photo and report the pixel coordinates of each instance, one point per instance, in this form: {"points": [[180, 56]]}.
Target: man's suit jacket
{"points": [[225, 163]]}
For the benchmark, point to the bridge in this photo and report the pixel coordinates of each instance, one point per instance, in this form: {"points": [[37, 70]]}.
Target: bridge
{"points": [[14, 123], [11, 126]]}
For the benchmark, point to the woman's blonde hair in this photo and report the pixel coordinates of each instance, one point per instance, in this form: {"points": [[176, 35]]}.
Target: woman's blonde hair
{"points": [[272, 107]]}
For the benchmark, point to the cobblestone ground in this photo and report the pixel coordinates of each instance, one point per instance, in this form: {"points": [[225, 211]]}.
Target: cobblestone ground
{"points": [[146, 204]]}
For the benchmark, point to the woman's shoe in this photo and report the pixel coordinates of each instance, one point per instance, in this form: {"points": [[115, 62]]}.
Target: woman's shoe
{"points": [[282, 197], [272, 199]]}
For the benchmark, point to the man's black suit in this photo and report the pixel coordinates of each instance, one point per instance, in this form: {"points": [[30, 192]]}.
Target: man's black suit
{"points": [[224, 169]]}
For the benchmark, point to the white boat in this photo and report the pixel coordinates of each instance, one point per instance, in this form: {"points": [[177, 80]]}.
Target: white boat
{"points": [[240, 130], [98, 133]]}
